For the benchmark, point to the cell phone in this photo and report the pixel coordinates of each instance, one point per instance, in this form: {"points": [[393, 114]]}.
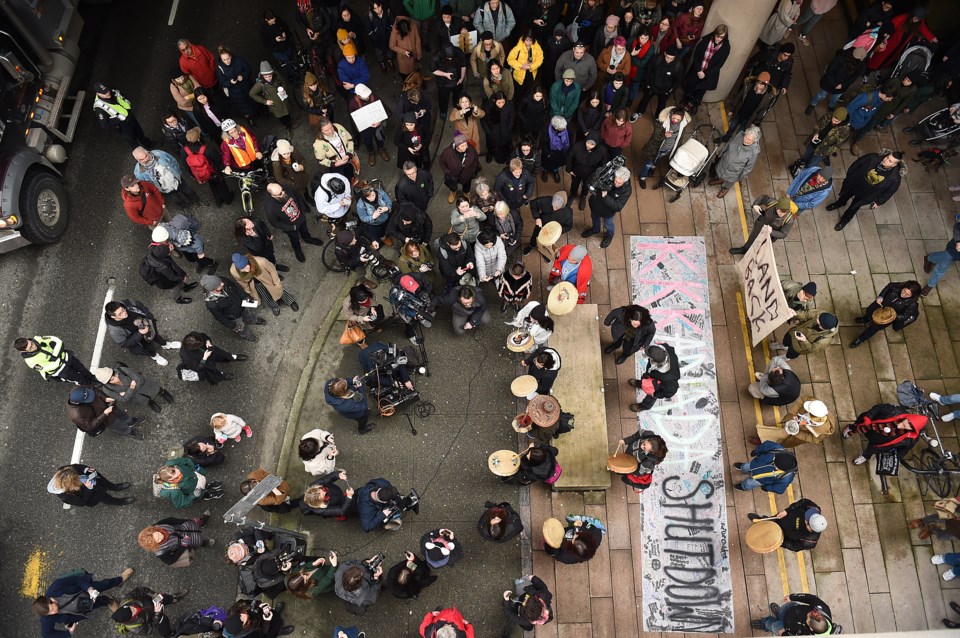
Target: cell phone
{"points": [[158, 599]]}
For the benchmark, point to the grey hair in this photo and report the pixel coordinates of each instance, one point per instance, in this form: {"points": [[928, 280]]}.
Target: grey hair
{"points": [[408, 165], [558, 122], [501, 208], [622, 173], [754, 132]]}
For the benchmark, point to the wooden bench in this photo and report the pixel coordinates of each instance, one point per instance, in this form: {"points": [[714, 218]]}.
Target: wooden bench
{"points": [[579, 389]]}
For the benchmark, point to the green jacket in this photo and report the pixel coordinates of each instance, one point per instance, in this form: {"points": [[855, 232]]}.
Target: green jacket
{"points": [[182, 493], [564, 104], [790, 290], [420, 10], [835, 139], [816, 339], [261, 92]]}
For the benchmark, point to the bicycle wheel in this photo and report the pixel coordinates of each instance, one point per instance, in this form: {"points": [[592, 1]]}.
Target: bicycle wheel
{"points": [[330, 258], [939, 480], [246, 198]]}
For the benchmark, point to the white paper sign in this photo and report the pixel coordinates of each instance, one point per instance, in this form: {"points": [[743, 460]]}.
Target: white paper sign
{"points": [[368, 115], [764, 302], [455, 40]]}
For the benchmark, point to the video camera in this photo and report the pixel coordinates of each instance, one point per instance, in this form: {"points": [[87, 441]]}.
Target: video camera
{"points": [[399, 506], [388, 372], [420, 309], [602, 178]]}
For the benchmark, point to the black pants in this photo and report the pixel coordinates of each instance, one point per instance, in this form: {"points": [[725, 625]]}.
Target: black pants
{"points": [[295, 235], [74, 371], [282, 508], [645, 101], [855, 205], [183, 196], [220, 190], [444, 93], [788, 341], [147, 348], [132, 133], [579, 183], [648, 402], [754, 233], [101, 493], [363, 420]]}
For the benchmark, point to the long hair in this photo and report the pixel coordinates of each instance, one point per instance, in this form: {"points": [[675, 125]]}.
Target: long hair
{"points": [[634, 312], [67, 479], [146, 540], [497, 530]]}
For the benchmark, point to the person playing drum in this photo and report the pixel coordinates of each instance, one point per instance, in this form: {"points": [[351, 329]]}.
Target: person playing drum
{"points": [[650, 450]]}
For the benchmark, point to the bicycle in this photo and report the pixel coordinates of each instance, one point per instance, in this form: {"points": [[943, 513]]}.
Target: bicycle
{"points": [[250, 182], [934, 466]]}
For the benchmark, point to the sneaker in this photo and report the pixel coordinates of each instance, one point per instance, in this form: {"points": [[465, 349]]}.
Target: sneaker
{"points": [[804, 40], [753, 516], [937, 559], [949, 416], [503, 308], [247, 431], [758, 376], [295, 306], [948, 575], [237, 438], [860, 460], [634, 117], [212, 496], [737, 466], [775, 609], [171, 345], [160, 360], [240, 357], [936, 397], [527, 250], [954, 189], [808, 110]]}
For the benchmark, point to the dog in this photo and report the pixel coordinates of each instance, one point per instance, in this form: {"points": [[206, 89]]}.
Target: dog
{"points": [[934, 158]]}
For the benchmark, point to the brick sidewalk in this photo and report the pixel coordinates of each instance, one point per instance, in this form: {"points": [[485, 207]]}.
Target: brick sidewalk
{"points": [[872, 570]]}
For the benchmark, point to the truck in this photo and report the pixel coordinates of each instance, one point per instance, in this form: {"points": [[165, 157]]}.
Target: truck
{"points": [[39, 50]]}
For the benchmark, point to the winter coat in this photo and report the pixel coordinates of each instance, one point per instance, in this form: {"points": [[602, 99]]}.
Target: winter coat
{"points": [[812, 199], [84, 495], [584, 163], [603, 64], [835, 138], [200, 66], [842, 71], [356, 73], [326, 153], [613, 99], [277, 92], [479, 60], [183, 234], [411, 43], [512, 607], [584, 272], [763, 470], [780, 22], [647, 462], [505, 85], [532, 115], [658, 135], [378, 28], [183, 493], [371, 513], [238, 93], [779, 226], [459, 168], [712, 74], [545, 376], [515, 191], [433, 621], [816, 338], [796, 536], [170, 274], [666, 382], [616, 136], [286, 216], [862, 109], [564, 102], [759, 109], [687, 28], [511, 226], [473, 314], [470, 127], [483, 20], [146, 208], [144, 392], [419, 579], [467, 227], [366, 594], [589, 119], [449, 261], [498, 125], [420, 10], [163, 160], [614, 201], [588, 534], [126, 333], [353, 407], [227, 307], [489, 261], [585, 68], [642, 336], [856, 180], [338, 503], [783, 393], [296, 181], [737, 160], [874, 421], [512, 523], [908, 308], [662, 77], [420, 229], [271, 499], [268, 277]]}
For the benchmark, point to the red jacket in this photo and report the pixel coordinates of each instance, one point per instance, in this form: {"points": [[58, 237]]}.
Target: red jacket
{"points": [[450, 616], [880, 417], [583, 275], [201, 66], [897, 44], [145, 208], [616, 136]]}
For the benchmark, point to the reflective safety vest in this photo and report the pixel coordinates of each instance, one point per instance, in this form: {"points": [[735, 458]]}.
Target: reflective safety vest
{"points": [[49, 358], [242, 156], [119, 110]]}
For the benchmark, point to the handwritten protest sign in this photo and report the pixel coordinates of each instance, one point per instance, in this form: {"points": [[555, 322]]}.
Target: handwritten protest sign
{"points": [[766, 305], [368, 115]]}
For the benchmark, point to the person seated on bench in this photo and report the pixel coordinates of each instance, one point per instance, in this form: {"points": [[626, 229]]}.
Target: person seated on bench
{"points": [[573, 264], [661, 380]]}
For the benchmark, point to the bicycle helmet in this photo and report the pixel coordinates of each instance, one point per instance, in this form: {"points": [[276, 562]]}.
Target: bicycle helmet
{"points": [[337, 187], [226, 125]]}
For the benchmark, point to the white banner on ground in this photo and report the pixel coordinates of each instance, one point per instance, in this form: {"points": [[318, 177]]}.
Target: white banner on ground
{"points": [[686, 561], [368, 115], [765, 304]]}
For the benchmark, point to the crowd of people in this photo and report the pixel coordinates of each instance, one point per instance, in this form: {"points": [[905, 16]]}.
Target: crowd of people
{"points": [[546, 89]]}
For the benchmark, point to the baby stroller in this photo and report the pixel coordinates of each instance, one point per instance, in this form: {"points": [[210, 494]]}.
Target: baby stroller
{"points": [[689, 163], [942, 126]]}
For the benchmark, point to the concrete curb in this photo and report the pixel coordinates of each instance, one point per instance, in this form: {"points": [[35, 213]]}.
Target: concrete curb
{"points": [[296, 405]]}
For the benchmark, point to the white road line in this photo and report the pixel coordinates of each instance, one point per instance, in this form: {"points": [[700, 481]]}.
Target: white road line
{"points": [[94, 363], [173, 12]]}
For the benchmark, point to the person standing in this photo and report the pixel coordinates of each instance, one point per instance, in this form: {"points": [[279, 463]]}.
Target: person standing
{"points": [[162, 170], [260, 280], [71, 598], [800, 297], [358, 584], [408, 578], [228, 304], [903, 298], [499, 522], [936, 264], [47, 356], [649, 449], [800, 615], [236, 79], [496, 17], [460, 164], [159, 269], [514, 185], [374, 136], [863, 108], [125, 385], [142, 201], [780, 22], [199, 355], [405, 43], [414, 187], [577, 542], [487, 51], [778, 214], [181, 233], [287, 213], [828, 138], [449, 73], [197, 61], [239, 148], [802, 523], [606, 204], [708, 58], [661, 80], [843, 70], [349, 399], [92, 411], [811, 16], [583, 65], [83, 486], [632, 328], [290, 168], [778, 385], [616, 132], [436, 623], [546, 209], [115, 111], [204, 162], [815, 332], [754, 99], [887, 428], [811, 187], [525, 59], [530, 607], [870, 181], [737, 160], [142, 612], [585, 157], [133, 327], [272, 91], [379, 24], [256, 239], [498, 123], [664, 141]]}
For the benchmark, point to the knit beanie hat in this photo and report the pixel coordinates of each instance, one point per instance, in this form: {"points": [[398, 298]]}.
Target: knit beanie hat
{"points": [[210, 282], [459, 138], [840, 113], [578, 253], [827, 321], [810, 288]]}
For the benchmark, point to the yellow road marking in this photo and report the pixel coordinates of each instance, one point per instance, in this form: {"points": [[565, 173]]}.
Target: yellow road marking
{"points": [[34, 573]]}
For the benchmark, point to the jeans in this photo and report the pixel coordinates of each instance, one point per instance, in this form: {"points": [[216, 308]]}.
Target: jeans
{"points": [[774, 624], [808, 19], [941, 261], [749, 483], [951, 399], [652, 164], [953, 560], [810, 157], [834, 98], [609, 227], [736, 123]]}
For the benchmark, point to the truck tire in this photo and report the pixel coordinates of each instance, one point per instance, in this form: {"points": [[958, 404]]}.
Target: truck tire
{"points": [[43, 205]]}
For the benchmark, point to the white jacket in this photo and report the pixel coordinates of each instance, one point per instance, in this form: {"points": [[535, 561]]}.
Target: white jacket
{"points": [[325, 461]]}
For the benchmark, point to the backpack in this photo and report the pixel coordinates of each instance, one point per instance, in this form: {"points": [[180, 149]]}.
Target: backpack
{"points": [[141, 628], [199, 165], [147, 271]]}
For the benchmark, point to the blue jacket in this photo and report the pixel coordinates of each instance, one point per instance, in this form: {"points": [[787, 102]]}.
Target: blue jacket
{"points": [[356, 73], [371, 513], [166, 160], [762, 463], [350, 408], [60, 587], [811, 200], [365, 209], [862, 109]]}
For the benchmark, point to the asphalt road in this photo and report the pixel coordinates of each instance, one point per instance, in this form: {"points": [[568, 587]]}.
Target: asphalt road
{"points": [[58, 290]]}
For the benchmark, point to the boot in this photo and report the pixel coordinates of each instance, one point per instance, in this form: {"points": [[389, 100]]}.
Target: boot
{"points": [[927, 265], [856, 343], [583, 203], [643, 183], [183, 300], [166, 396], [453, 197], [370, 284], [384, 155], [808, 110], [926, 290], [155, 406], [855, 148]]}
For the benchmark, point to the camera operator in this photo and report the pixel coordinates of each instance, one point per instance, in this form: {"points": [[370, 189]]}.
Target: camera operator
{"points": [[607, 203], [349, 399], [469, 308], [389, 372], [357, 583], [411, 301], [411, 224], [356, 252], [455, 261], [375, 504]]}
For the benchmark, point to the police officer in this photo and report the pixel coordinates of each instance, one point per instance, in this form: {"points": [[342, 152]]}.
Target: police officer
{"points": [[114, 111], [47, 356]]}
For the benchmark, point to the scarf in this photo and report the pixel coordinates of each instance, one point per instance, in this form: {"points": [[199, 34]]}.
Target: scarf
{"points": [[559, 140], [617, 56], [505, 226]]}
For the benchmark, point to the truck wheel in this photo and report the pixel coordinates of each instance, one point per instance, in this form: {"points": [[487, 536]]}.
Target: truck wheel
{"points": [[43, 204]]}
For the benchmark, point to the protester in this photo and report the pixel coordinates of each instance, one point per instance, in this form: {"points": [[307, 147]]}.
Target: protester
{"points": [[278, 500], [771, 469], [605, 205], [576, 543], [499, 522], [70, 599], [529, 607], [230, 306], [182, 482], [127, 386], [259, 279], [173, 540], [800, 615], [815, 332], [92, 412], [199, 355], [204, 451], [133, 327], [902, 298], [777, 214], [778, 385], [82, 486], [324, 498], [871, 181], [142, 201], [349, 399], [886, 428], [736, 160], [631, 328]]}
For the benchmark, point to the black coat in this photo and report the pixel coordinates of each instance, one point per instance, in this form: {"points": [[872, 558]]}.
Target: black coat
{"points": [[532, 115], [542, 208], [515, 191], [614, 201], [513, 606], [592, 536], [856, 181], [530, 472], [642, 336], [498, 126], [420, 229], [544, 376], [908, 308], [286, 216], [512, 523], [796, 536], [663, 77], [207, 369], [419, 579], [795, 617], [227, 308], [842, 70], [583, 163], [667, 383], [418, 192], [262, 244], [338, 503], [424, 122], [634, 442], [712, 74], [85, 496], [449, 261], [169, 273], [781, 72]]}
